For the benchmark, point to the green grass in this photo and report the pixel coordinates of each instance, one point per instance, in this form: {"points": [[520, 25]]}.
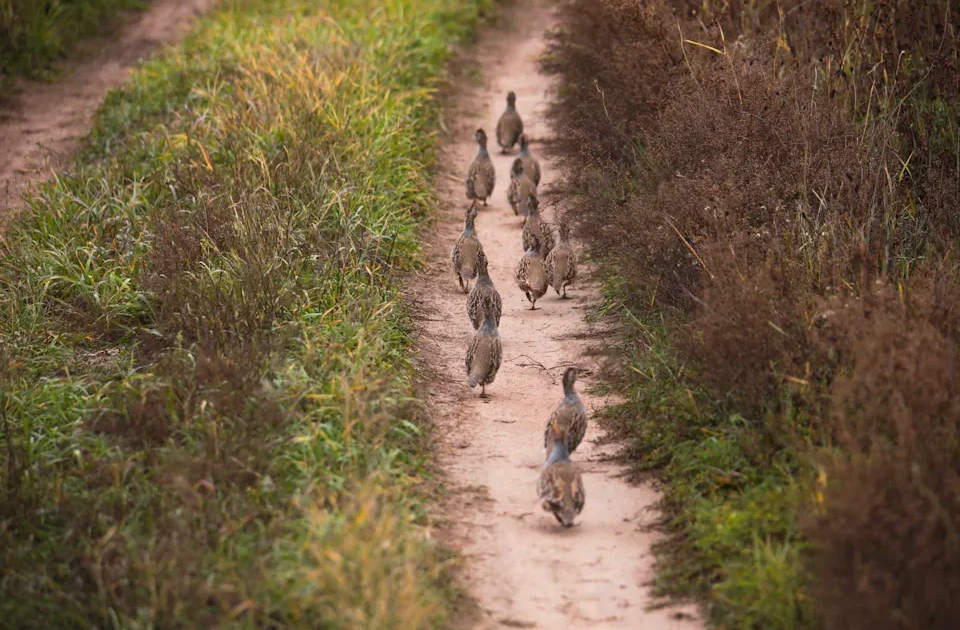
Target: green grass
{"points": [[733, 492], [207, 414], [34, 34]]}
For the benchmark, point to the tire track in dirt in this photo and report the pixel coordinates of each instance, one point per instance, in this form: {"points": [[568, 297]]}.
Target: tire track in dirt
{"points": [[40, 128], [522, 568]]}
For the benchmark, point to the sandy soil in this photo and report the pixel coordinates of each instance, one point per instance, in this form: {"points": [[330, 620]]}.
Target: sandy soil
{"points": [[40, 129], [523, 569]]}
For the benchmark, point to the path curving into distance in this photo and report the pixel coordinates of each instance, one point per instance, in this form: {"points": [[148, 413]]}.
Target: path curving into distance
{"points": [[522, 568]]}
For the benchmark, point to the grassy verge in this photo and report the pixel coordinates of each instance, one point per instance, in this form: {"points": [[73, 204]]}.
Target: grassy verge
{"points": [[206, 412], [34, 34], [766, 189]]}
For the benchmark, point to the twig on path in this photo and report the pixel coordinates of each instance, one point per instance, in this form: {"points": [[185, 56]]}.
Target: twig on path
{"points": [[534, 363]]}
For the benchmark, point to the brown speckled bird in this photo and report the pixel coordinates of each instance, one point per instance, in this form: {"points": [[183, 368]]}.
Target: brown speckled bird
{"points": [[483, 297], [520, 189], [510, 125], [531, 168], [483, 355], [560, 486], [570, 415], [481, 176], [531, 275], [562, 263], [535, 231], [466, 250]]}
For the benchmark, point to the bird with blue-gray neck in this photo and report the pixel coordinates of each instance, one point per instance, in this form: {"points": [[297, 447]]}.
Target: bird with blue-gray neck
{"points": [[466, 250], [510, 125], [483, 297], [560, 486], [481, 176], [570, 415], [484, 354]]}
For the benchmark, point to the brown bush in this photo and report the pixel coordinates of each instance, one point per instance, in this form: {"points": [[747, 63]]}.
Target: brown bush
{"points": [[887, 545], [788, 200]]}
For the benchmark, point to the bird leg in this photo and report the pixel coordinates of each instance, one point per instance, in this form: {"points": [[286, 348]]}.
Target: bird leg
{"points": [[533, 305], [483, 391], [460, 280], [564, 296]]}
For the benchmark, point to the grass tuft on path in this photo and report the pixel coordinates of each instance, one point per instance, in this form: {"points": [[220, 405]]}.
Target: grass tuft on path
{"points": [[206, 400], [34, 34]]}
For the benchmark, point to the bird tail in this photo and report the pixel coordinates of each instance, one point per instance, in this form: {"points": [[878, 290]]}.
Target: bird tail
{"points": [[559, 272], [538, 283], [475, 377], [477, 371]]}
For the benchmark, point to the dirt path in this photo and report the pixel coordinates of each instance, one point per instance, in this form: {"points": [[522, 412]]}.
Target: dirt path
{"points": [[524, 570], [42, 126]]}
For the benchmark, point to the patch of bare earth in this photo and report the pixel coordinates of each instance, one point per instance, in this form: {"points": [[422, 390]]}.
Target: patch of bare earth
{"points": [[523, 569], [40, 126]]}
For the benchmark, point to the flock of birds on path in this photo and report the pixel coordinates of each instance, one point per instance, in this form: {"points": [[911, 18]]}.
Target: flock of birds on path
{"points": [[544, 263]]}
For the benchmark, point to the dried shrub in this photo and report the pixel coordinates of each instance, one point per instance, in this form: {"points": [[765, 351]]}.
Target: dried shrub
{"points": [[748, 173], [887, 545]]}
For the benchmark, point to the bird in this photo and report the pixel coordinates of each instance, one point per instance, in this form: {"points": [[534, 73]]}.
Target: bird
{"points": [[570, 415], [562, 262], [535, 231], [484, 354], [483, 297], [531, 275], [510, 125], [466, 250], [560, 486], [531, 167], [481, 176], [520, 188]]}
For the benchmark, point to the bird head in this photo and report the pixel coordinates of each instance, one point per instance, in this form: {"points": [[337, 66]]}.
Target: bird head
{"points": [[481, 137], [516, 169], [569, 378], [511, 99], [482, 263]]}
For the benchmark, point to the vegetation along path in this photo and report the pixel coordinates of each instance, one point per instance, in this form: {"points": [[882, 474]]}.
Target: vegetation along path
{"points": [[43, 122], [525, 570]]}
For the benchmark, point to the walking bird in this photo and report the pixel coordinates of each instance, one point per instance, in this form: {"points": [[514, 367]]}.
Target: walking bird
{"points": [[510, 125], [466, 250], [570, 416], [481, 176], [560, 486], [562, 262], [483, 355], [484, 297]]}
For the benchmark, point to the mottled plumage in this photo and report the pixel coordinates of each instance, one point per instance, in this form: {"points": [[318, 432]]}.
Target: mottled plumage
{"points": [[466, 250], [481, 176], [520, 189], [535, 231], [531, 168], [510, 126], [562, 263], [570, 416], [483, 355], [531, 276], [560, 486], [483, 297]]}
